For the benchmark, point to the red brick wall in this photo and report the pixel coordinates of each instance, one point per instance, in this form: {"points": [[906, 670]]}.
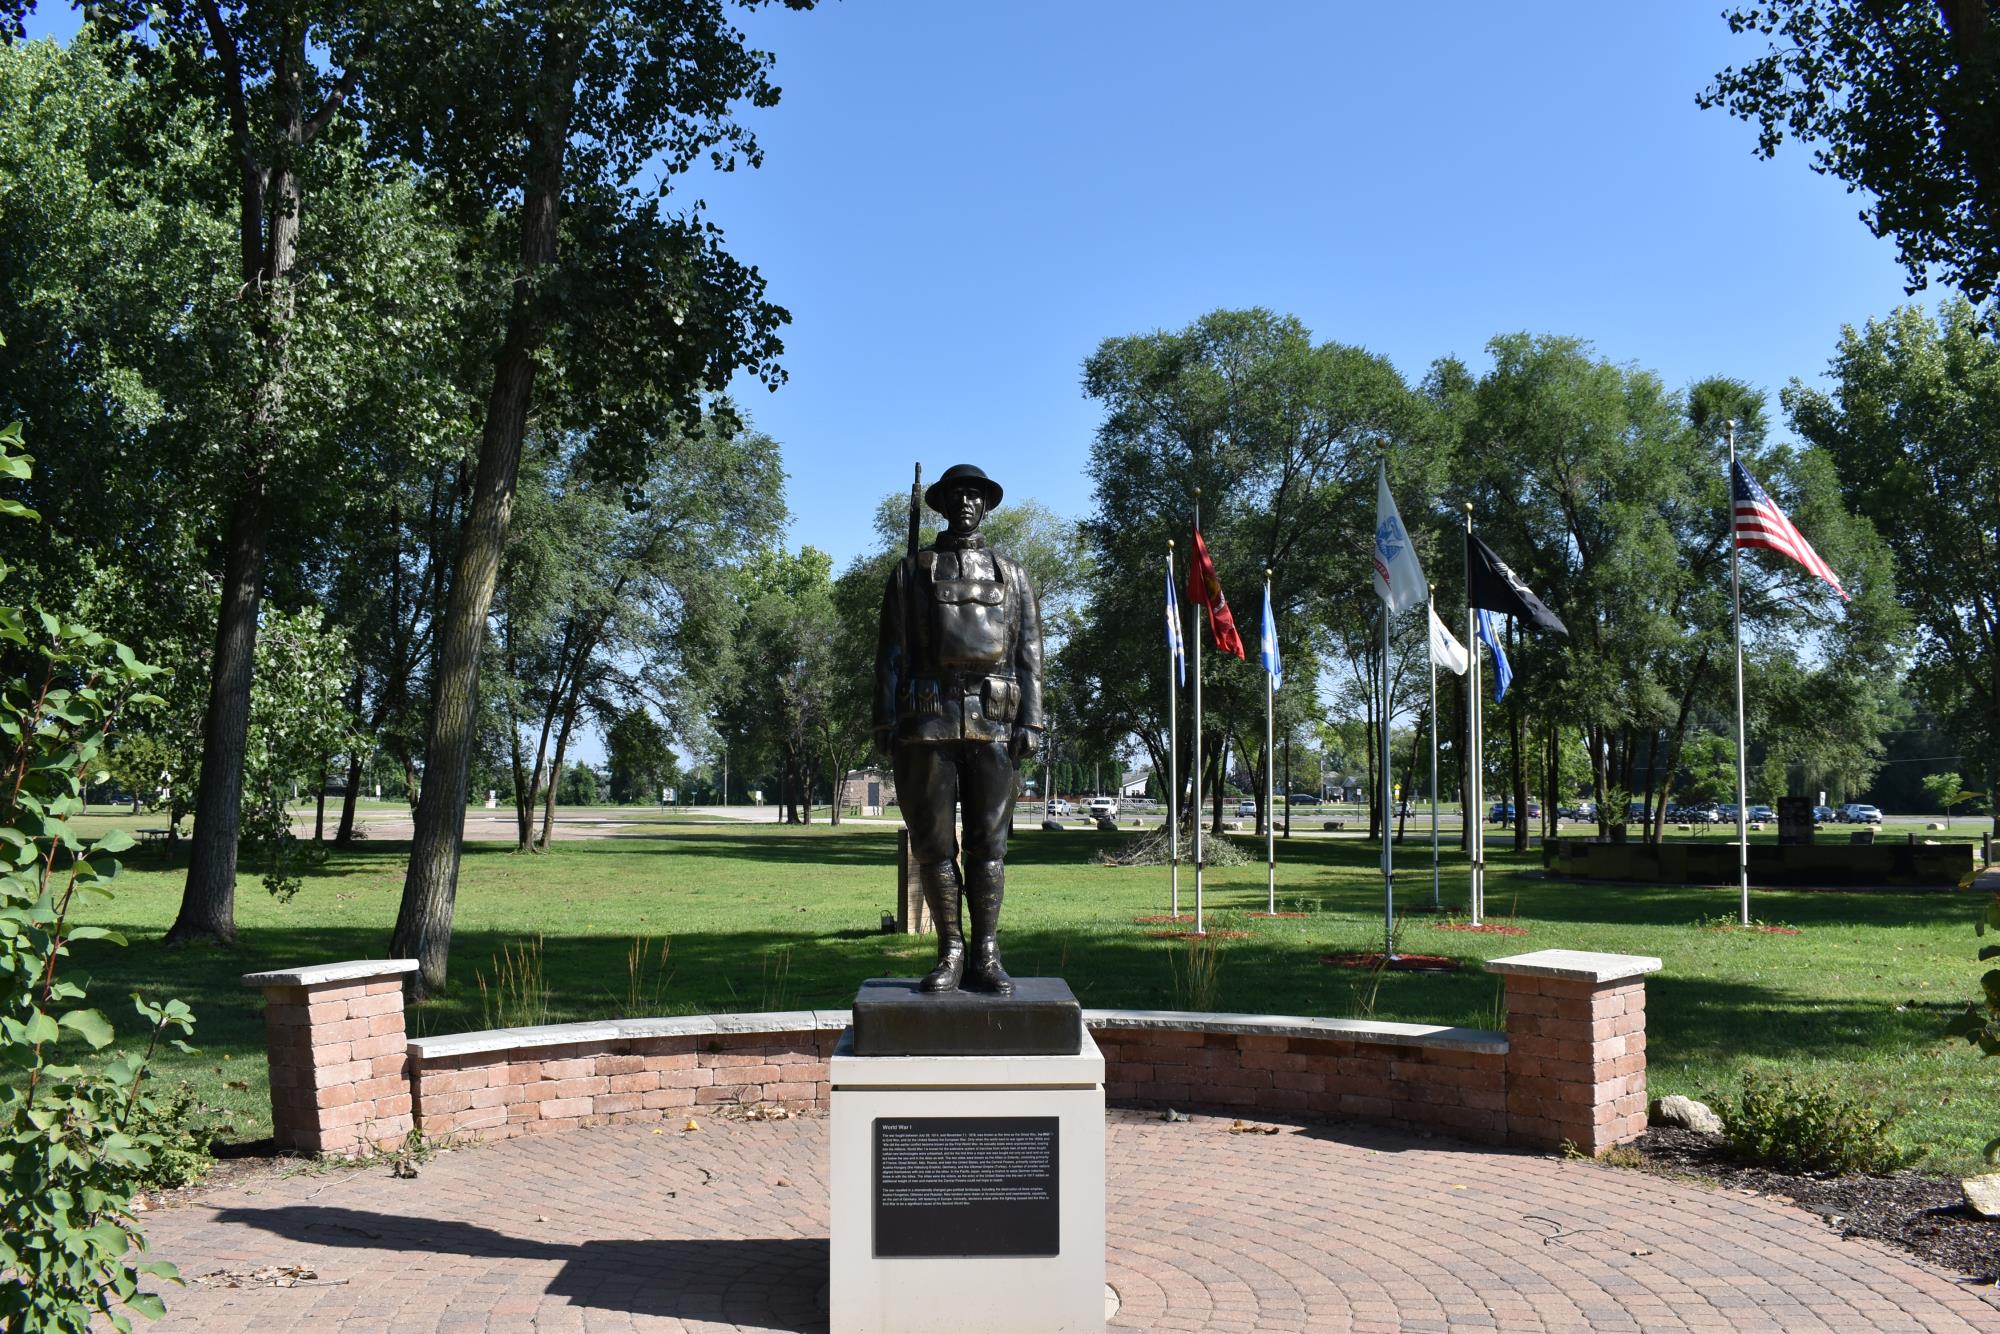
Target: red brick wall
{"points": [[339, 1065], [537, 1090], [1576, 1063], [1459, 1091], [1574, 1072]]}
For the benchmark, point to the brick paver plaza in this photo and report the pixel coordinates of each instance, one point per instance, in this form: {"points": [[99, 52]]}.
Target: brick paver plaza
{"points": [[1338, 1228]]}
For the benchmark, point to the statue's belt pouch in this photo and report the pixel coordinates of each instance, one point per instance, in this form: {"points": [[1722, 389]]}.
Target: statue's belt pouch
{"points": [[1000, 699], [925, 699]]}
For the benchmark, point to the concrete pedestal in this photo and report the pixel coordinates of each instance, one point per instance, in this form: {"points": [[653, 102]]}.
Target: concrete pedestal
{"points": [[1024, 1137]]}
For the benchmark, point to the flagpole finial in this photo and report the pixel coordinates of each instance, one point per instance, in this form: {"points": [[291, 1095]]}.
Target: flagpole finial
{"points": [[1468, 508], [1170, 544], [1267, 572], [1197, 492]]}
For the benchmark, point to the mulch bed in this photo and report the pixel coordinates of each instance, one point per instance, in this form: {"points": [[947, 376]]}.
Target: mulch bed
{"points": [[1484, 928], [1925, 1215], [1401, 963], [1196, 935], [1155, 918]]}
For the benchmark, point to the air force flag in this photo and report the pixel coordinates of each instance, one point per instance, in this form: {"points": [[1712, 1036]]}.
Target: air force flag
{"points": [[1399, 578]]}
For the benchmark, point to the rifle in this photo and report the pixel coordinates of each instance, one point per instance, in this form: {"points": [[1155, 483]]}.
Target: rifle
{"points": [[916, 511]]}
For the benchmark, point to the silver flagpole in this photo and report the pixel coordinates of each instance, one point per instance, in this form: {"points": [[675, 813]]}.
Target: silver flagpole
{"points": [[1270, 797], [1388, 857], [1475, 743], [1173, 746], [1430, 610], [1196, 646], [1742, 754]]}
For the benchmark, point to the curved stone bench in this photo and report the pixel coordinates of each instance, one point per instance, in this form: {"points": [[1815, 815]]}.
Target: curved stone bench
{"points": [[1571, 1067]]}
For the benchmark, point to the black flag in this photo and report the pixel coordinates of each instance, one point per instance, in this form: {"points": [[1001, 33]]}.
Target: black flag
{"points": [[1496, 588]]}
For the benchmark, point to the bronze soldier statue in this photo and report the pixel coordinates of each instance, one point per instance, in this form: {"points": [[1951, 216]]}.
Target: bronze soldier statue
{"points": [[958, 706]]}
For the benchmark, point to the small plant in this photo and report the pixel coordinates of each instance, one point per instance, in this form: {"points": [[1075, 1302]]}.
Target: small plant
{"points": [[776, 991], [186, 1132], [1197, 973], [1797, 1125], [1980, 1024], [646, 977], [518, 996]]}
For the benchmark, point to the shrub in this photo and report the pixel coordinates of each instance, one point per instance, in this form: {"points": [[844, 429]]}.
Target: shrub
{"points": [[1980, 1024], [1799, 1125], [187, 1132], [74, 1145]]}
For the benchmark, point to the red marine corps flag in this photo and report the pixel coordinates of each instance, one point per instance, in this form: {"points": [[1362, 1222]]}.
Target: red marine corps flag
{"points": [[1205, 590]]}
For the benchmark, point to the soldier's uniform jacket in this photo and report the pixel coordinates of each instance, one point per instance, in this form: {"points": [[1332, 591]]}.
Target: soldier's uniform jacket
{"points": [[959, 655]]}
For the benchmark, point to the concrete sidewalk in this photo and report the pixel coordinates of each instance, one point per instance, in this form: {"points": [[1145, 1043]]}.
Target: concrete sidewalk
{"points": [[1334, 1228]]}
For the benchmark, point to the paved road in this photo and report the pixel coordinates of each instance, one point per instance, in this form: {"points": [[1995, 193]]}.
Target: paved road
{"points": [[1315, 1228]]}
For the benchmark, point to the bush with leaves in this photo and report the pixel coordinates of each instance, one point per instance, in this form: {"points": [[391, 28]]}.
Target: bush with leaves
{"points": [[1797, 1125], [1980, 1024], [73, 1150]]}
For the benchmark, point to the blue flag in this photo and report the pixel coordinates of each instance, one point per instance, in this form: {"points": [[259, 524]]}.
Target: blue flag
{"points": [[1268, 648], [1503, 671], [1174, 630]]}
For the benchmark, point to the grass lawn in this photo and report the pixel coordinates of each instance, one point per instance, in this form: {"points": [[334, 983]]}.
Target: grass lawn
{"points": [[769, 917]]}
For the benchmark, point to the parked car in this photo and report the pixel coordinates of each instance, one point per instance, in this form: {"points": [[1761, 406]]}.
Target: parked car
{"points": [[1534, 809], [1707, 813], [1057, 807], [1247, 806], [1824, 815], [1502, 812], [1303, 799], [1764, 813], [1102, 808], [1859, 812]]}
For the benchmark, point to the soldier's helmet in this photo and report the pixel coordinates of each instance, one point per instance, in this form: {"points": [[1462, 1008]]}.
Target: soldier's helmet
{"points": [[962, 474]]}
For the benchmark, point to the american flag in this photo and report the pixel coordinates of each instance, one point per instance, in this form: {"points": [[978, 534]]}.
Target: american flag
{"points": [[1760, 523]]}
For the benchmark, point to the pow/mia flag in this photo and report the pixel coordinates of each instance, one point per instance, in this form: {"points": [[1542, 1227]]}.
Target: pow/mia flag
{"points": [[1495, 587]]}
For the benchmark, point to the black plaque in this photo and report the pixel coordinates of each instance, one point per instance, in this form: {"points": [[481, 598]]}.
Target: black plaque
{"points": [[965, 1186], [1795, 821]]}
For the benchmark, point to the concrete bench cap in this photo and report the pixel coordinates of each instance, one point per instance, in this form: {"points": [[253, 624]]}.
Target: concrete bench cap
{"points": [[354, 970], [1576, 965]]}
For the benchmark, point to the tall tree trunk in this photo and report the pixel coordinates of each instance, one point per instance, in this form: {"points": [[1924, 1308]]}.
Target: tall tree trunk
{"points": [[208, 904], [268, 238], [570, 709], [345, 834], [1410, 777], [430, 889], [319, 805], [524, 791]]}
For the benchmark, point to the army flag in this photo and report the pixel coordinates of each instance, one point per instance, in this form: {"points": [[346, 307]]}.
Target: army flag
{"points": [[1175, 647], [1399, 577], [1503, 671]]}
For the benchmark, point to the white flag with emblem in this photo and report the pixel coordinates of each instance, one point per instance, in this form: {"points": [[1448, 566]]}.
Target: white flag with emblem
{"points": [[1399, 578]]}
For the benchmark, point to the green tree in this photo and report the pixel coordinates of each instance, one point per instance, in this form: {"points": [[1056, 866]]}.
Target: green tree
{"points": [[1947, 790], [1913, 424], [639, 753], [1278, 433], [1897, 100], [618, 315]]}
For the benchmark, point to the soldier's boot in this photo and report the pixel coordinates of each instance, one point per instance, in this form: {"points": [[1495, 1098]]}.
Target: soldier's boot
{"points": [[941, 894], [985, 885]]}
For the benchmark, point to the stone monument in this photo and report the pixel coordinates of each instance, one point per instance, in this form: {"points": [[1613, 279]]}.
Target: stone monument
{"points": [[967, 1109]]}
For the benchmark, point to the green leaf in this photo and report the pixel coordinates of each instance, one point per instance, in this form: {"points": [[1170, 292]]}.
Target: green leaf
{"points": [[89, 1025], [117, 840], [147, 1304], [39, 1028]]}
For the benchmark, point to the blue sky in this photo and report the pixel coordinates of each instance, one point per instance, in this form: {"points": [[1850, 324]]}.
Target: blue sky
{"points": [[960, 200]]}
